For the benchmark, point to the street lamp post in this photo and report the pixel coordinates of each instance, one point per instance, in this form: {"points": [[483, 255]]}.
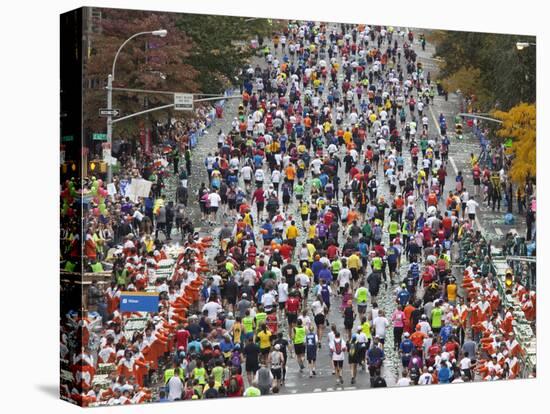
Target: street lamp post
{"points": [[110, 79], [523, 45]]}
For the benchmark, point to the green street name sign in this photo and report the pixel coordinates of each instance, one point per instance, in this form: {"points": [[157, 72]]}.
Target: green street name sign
{"points": [[99, 137]]}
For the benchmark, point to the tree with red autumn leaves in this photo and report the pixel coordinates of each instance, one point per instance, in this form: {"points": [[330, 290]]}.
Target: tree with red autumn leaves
{"points": [[201, 53], [146, 62]]}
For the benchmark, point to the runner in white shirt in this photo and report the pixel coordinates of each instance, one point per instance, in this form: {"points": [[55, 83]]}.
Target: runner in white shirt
{"points": [[246, 173], [344, 277], [426, 378], [276, 178], [175, 387], [259, 175], [212, 308], [380, 323], [338, 349], [466, 365], [424, 325], [316, 165], [471, 206], [382, 145], [404, 381], [214, 200], [282, 293], [268, 301]]}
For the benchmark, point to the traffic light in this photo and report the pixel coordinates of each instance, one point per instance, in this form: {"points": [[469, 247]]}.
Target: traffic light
{"points": [[509, 282], [68, 165], [97, 166]]}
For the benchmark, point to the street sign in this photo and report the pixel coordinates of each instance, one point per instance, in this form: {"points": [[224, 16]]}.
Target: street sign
{"points": [[107, 112], [183, 101], [99, 137], [67, 138], [139, 301]]}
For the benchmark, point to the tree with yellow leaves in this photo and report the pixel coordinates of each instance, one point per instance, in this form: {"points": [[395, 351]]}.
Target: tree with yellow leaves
{"points": [[520, 124]]}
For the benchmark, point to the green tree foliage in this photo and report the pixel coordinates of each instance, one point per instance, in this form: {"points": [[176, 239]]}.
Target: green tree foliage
{"points": [[502, 75], [221, 46]]}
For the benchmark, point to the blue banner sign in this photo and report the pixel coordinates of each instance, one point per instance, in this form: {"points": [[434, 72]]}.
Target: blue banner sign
{"points": [[139, 301]]}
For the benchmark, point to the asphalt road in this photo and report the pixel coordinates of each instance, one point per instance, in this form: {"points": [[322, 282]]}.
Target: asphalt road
{"points": [[459, 160]]}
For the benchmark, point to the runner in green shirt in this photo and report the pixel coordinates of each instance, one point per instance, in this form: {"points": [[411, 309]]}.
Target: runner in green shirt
{"points": [[437, 313], [405, 229], [377, 264], [248, 325], [299, 341], [423, 145], [299, 190], [365, 327], [217, 372], [361, 296], [252, 392], [269, 274], [335, 267], [199, 373], [169, 373], [261, 316], [393, 228], [367, 231], [316, 183]]}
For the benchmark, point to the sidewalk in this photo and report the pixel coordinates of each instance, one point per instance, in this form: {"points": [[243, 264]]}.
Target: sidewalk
{"points": [[490, 223]]}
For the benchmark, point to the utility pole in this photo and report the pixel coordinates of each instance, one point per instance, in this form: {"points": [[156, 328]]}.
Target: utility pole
{"points": [[110, 123], [110, 78]]}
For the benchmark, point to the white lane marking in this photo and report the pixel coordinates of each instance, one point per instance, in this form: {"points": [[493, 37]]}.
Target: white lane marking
{"points": [[479, 226], [454, 165], [434, 118], [498, 231], [330, 389], [317, 390]]}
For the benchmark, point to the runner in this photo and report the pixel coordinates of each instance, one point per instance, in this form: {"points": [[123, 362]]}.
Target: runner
{"points": [[344, 141], [312, 341], [338, 349]]}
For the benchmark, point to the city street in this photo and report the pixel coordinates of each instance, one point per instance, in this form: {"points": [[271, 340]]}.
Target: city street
{"points": [[490, 223], [326, 165]]}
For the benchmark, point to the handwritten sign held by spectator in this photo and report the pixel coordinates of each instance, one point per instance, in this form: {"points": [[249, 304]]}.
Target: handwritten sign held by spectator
{"points": [[111, 189], [140, 187]]}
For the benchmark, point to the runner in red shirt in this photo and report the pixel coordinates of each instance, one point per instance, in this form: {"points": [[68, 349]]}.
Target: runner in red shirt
{"points": [[292, 309]]}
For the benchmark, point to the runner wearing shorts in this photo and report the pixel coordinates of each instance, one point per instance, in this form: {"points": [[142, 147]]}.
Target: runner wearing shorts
{"points": [[299, 341], [311, 350], [292, 307]]}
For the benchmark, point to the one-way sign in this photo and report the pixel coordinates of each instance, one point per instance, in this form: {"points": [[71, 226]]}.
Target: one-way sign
{"points": [[107, 112]]}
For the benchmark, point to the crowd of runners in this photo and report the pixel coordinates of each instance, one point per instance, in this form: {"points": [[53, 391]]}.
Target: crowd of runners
{"points": [[327, 194]]}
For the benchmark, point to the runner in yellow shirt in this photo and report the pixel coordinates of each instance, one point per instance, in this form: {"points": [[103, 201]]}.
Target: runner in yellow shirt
{"points": [[354, 265], [292, 233]]}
